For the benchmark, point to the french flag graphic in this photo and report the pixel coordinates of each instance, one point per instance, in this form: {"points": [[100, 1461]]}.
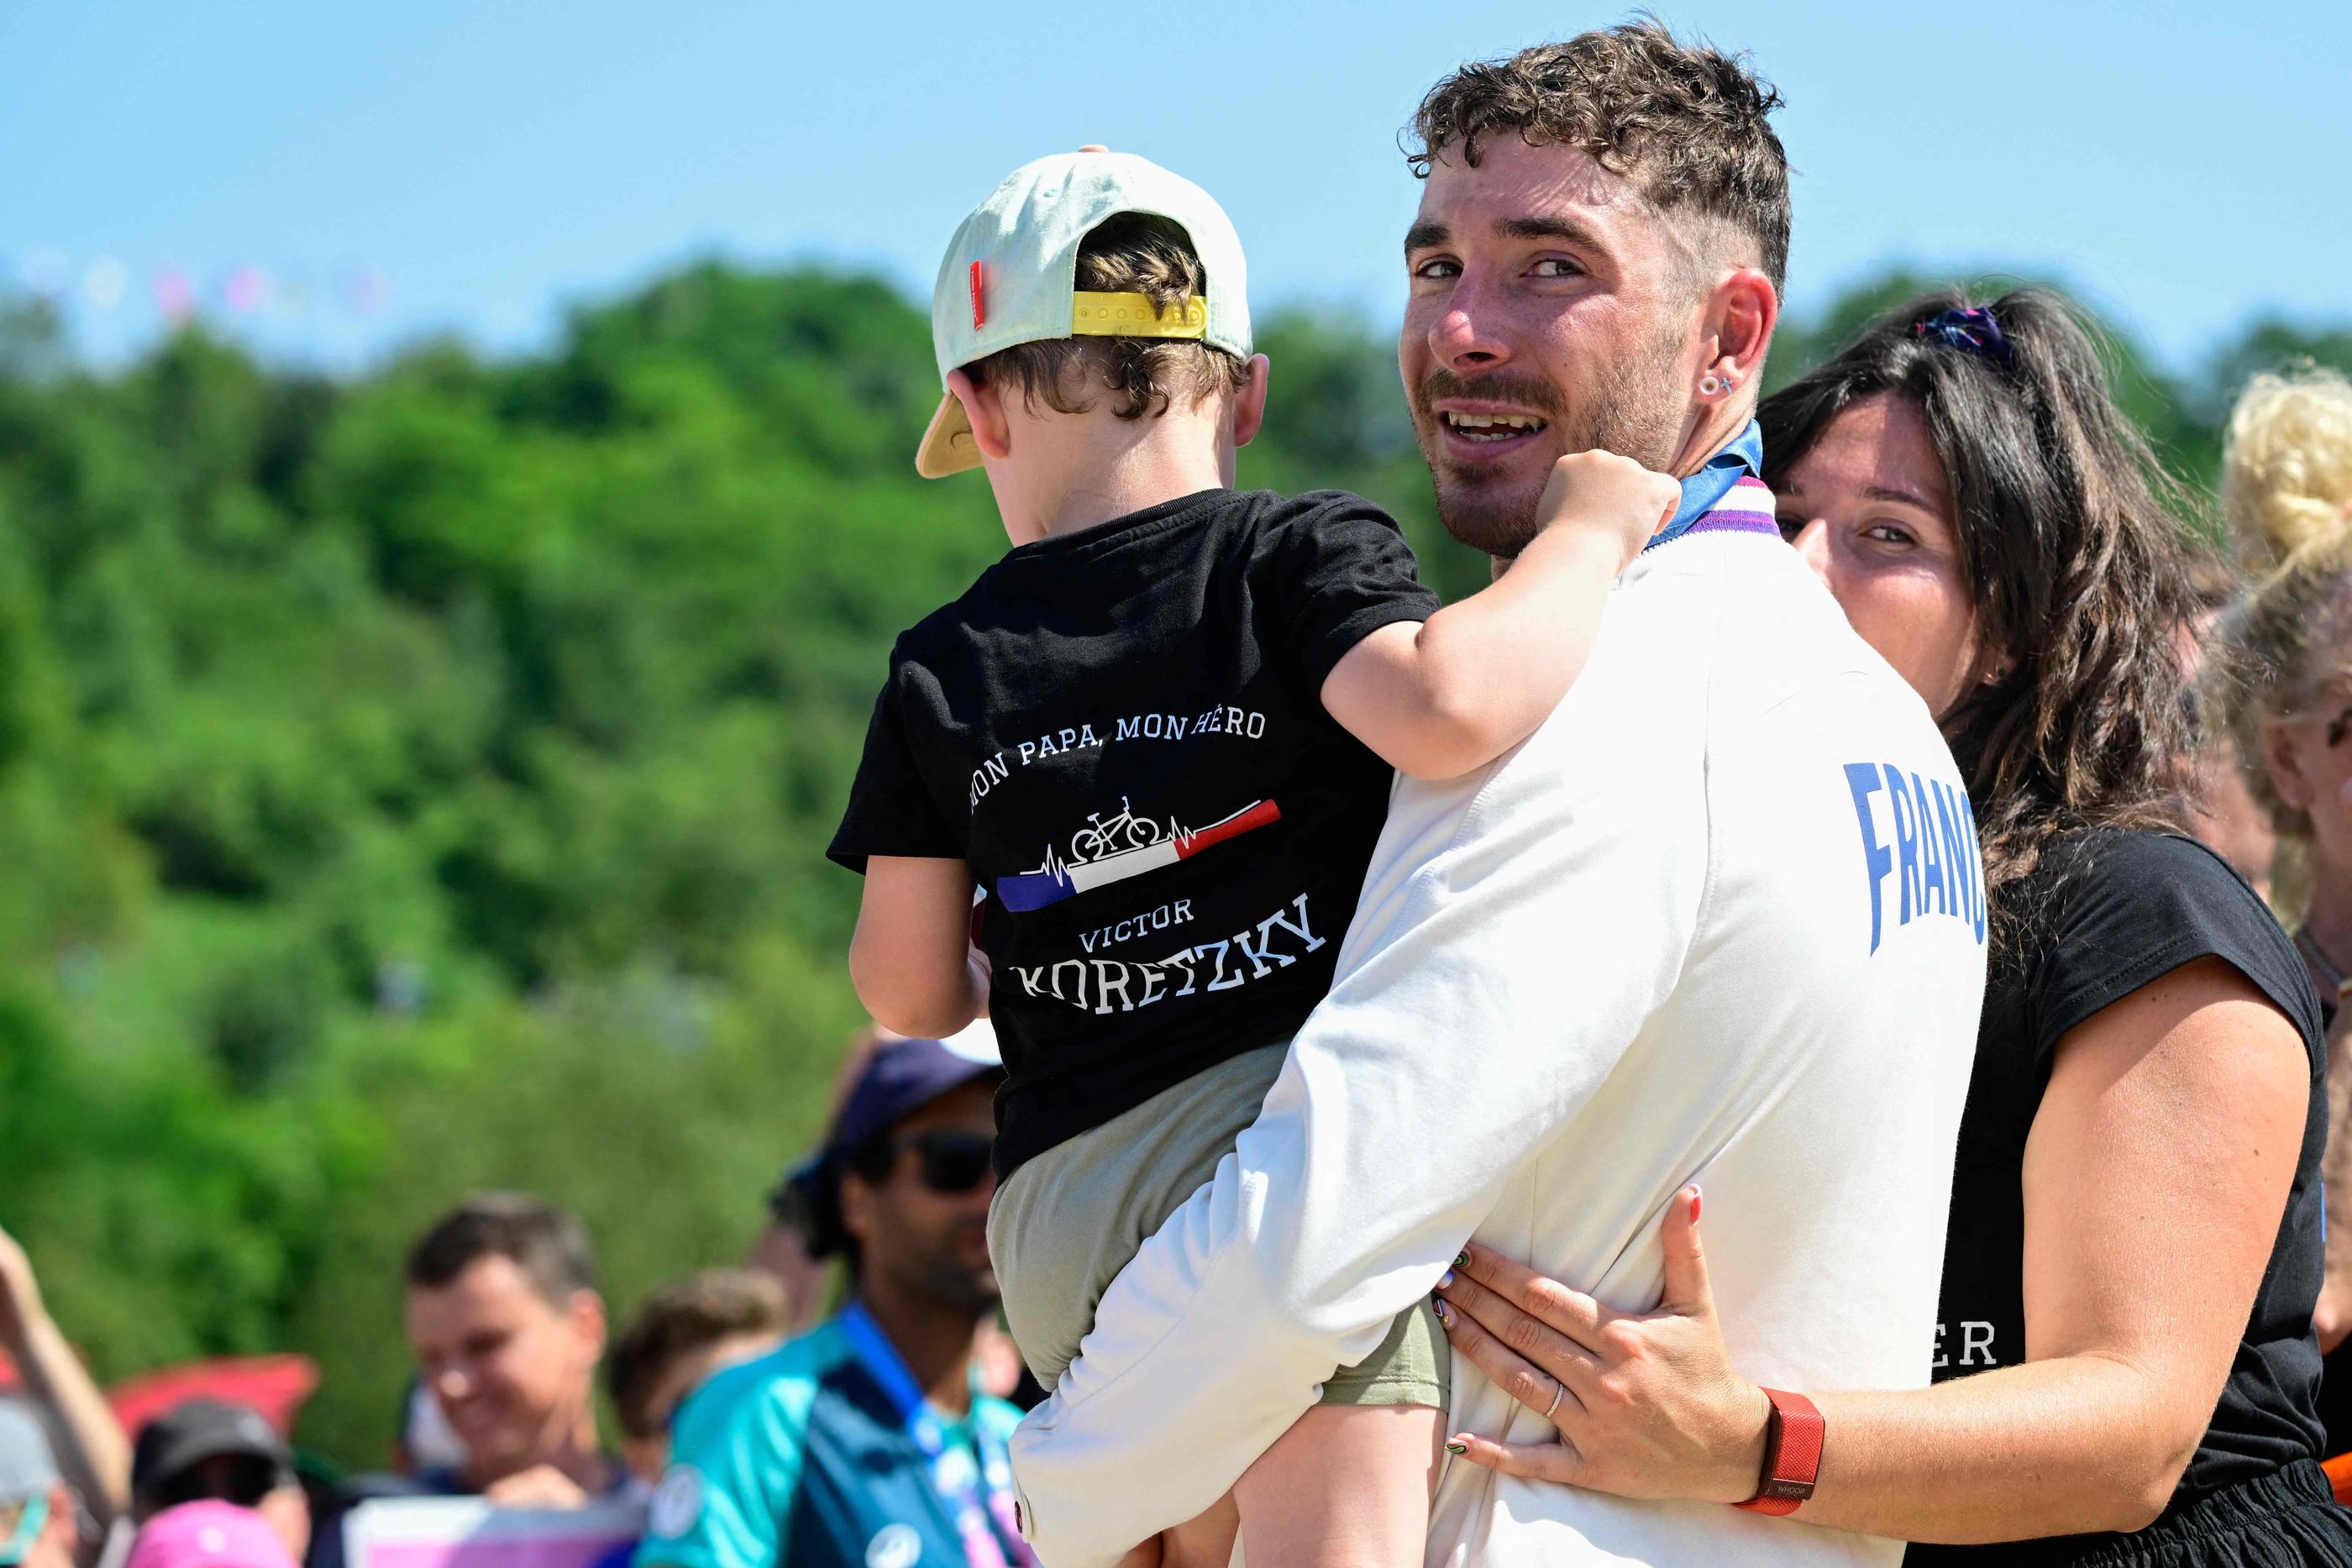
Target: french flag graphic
{"points": [[1056, 881]]}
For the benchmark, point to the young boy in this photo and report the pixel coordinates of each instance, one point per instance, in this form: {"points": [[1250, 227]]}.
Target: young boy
{"points": [[682, 1335], [1157, 737]]}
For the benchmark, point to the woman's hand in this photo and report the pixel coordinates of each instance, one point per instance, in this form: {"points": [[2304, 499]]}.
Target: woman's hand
{"points": [[1648, 1406]]}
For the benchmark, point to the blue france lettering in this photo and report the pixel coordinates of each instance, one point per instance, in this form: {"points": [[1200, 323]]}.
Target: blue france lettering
{"points": [[1861, 779], [1959, 841], [1956, 885], [1933, 858], [1907, 839], [1931, 850], [1975, 865]]}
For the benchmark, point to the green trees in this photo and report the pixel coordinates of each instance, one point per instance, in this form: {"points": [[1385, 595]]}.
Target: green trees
{"points": [[420, 782]]}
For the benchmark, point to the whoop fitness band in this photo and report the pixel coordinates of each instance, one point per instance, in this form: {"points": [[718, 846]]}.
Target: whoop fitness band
{"points": [[1792, 1454]]}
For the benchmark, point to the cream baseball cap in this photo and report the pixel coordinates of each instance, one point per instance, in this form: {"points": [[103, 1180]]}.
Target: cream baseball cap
{"points": [[1011, 276]]}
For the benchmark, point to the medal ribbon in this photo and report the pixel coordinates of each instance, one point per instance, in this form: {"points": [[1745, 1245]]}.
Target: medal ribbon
{"points": [[1726, 496], [975, 1495]]}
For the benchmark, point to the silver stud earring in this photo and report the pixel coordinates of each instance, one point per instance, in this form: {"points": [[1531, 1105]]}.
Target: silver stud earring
{"points": [[1711, 386]]}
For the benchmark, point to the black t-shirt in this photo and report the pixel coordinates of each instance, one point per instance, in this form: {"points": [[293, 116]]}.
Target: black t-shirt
{"points": [[2122, 909], [1121, 730]]}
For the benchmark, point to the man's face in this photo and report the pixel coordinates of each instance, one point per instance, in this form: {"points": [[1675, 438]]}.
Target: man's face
{"points": [[1551, 311], [925, 1241], [510, 1370]]}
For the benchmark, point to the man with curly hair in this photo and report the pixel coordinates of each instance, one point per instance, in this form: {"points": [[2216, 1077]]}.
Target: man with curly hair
{"points": [[1719, 919]]}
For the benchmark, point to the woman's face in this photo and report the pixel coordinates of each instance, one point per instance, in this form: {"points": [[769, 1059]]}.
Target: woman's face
{"points": [[2310, 763], [1869, 511]]}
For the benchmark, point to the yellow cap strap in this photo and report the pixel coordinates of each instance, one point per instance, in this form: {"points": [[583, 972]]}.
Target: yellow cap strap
{"points": [[1134, 316]]}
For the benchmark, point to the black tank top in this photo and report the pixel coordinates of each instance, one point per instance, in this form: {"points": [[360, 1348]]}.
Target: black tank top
{"points": [[2121, 909]]}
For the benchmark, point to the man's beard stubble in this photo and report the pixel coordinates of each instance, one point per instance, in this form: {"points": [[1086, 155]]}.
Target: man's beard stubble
{"points": [[1634, 409], [958, 1285]]}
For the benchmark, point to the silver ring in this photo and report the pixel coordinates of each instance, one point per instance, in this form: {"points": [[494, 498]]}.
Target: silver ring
{"points": [[1558, 1389]]}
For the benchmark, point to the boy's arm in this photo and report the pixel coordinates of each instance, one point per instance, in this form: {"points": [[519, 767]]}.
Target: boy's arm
{"points": [[1458, 690], [1510, 945], [912, 959]]}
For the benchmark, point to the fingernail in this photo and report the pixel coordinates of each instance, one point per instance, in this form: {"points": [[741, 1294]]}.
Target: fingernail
{"points": [[1445, 1280], [1444, 1313], [1457, 1447], [1462, 1259], [1696, 1198]]}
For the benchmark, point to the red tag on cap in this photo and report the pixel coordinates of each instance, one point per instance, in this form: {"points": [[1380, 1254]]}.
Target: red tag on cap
{"points": [[979, 304]]}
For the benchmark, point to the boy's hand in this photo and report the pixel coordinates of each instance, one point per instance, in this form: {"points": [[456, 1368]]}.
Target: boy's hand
{"points": [[1615, 495]]}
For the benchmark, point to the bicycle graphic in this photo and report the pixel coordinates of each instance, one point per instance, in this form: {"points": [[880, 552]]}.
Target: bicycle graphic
{"points": [[1121, 847], [1125, 830]]}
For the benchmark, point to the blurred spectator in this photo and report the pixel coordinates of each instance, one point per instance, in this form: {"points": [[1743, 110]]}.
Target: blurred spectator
{"points": [[427, 1441], [782, 1249], [209, 1452], [507, 1327], [679, 1337], [864, 1441], [2286, 487], [209, 1535], [37, 1522], [2220, 809], [92, 1451]]}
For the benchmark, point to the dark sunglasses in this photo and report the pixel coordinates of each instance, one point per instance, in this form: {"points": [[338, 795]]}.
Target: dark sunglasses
{"points": [[949, 1161], [244, 1483]]}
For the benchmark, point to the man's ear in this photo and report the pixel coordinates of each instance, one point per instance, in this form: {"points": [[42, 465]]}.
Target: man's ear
{"points": [[983, 407], [585, 1312], [1741, 314], [857, 1207], [2287, 780], [1249, 403]]}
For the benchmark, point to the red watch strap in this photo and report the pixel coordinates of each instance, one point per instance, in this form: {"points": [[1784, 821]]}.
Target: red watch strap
{"points": [[1792, 1454]]}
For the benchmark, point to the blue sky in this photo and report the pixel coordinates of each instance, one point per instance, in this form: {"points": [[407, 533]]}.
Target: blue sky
{"points": [[387, 169]]}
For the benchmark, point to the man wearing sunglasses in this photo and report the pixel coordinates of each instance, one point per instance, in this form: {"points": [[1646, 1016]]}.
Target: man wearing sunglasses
{"points": [[209, 1452], [868, 1441]]}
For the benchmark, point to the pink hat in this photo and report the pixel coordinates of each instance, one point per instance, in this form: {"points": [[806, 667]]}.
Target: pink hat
{"points": [[208, 1535]]}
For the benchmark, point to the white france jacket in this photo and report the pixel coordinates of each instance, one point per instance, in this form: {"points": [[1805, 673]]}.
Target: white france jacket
{"points": [[1720, 920]]}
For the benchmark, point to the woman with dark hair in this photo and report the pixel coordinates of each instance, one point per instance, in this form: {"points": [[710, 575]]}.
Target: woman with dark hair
{"points": [[2134, 1250]]}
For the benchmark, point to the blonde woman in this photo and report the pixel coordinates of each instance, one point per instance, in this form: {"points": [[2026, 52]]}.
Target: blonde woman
{"points": [[2286, 487]]}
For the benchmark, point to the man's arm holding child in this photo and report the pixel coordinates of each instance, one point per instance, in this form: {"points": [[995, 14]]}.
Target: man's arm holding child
{"points": [[1501, 961], [912, 959], [1439, 697]]}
